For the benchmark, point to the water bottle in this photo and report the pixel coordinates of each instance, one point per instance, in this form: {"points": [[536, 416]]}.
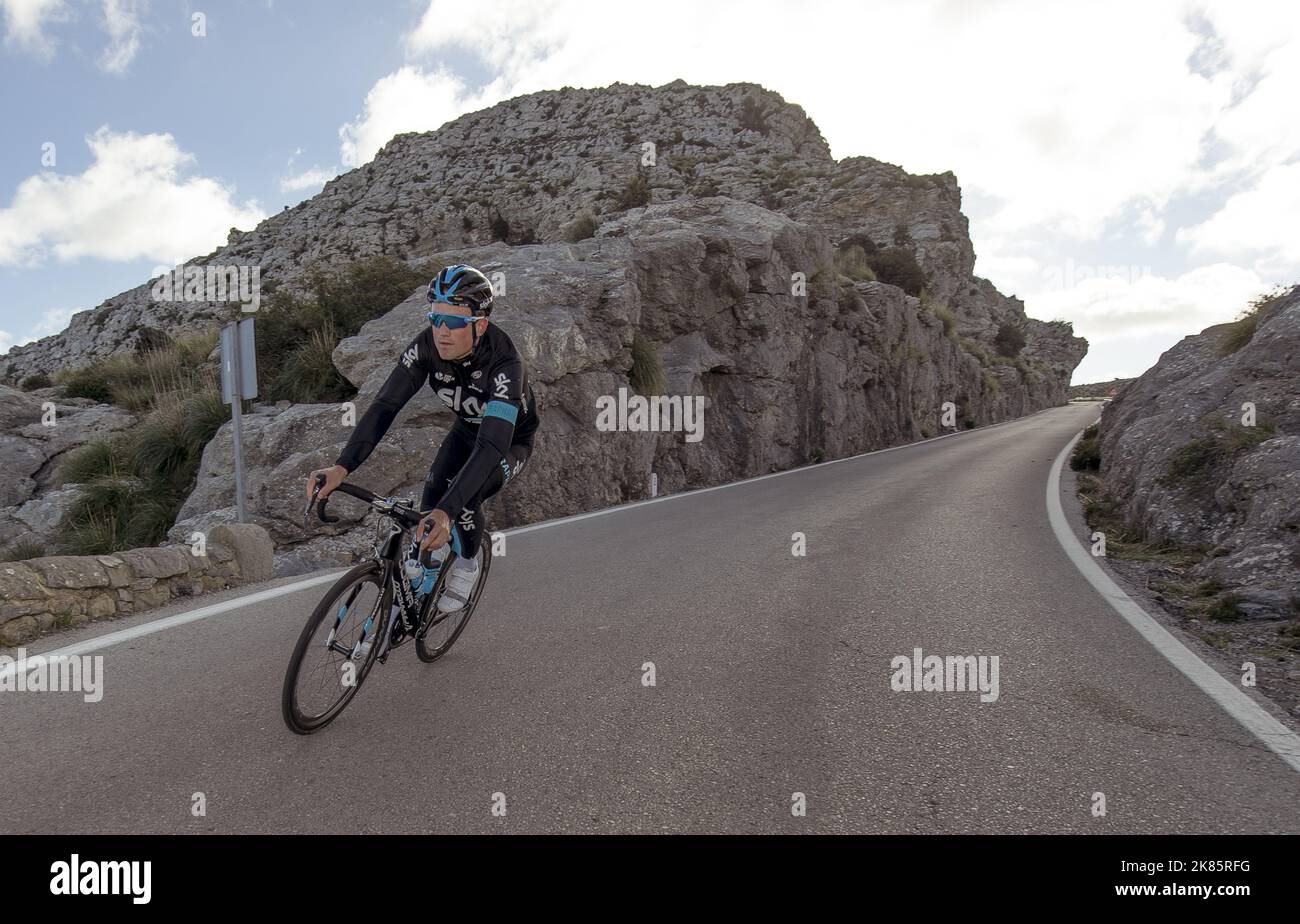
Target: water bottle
{"points": [[414, 572], [422, 572]]}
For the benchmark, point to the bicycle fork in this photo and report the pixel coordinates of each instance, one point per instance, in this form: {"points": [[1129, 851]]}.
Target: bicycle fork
{"points": [[358, 651]]}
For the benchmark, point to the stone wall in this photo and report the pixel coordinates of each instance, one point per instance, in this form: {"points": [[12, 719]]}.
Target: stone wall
{"points": [[66, 590]]}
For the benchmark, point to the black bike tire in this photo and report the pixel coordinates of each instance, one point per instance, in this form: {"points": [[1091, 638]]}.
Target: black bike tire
{"points": [[326, 608], [422, 651]]}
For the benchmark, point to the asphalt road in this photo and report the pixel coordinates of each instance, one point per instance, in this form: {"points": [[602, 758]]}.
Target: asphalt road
{"points": [[772, 678]]}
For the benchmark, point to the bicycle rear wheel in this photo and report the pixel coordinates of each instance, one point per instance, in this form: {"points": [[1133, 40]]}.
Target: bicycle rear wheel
{"points": [[439, 631], [332, 658]]}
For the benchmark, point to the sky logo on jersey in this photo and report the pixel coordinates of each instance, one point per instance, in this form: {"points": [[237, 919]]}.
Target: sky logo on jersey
{"points": [[459, 402], [410, 356], [501, 383]]}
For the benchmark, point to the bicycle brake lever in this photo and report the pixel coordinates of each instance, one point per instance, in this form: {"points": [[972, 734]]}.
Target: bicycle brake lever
{"points": [[306, 513]]}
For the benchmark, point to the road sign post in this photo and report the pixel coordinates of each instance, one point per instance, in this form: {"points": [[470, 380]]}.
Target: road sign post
{"points": [[238, 381]]}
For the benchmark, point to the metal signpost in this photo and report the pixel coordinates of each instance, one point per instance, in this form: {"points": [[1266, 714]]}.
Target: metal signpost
{"points": [[238, 381]]}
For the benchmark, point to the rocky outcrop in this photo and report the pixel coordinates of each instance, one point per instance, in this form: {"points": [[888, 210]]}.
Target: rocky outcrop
{"points": [[36, 430], [1188, 464], [1098, 389], [63, 590], [709, 227], [524, 170], [786, 379]]}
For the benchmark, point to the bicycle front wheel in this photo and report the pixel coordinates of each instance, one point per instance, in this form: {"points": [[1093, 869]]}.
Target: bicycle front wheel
{"points": [[336, 649], [439, 631]]}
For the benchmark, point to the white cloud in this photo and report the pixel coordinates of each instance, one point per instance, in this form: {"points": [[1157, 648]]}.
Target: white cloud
{"points": [[122, 21], [131, 203], [1130, 302], [313, 178], [1258, 223], [1062, 119], [408, 100], [51, 322], [25, 22]]}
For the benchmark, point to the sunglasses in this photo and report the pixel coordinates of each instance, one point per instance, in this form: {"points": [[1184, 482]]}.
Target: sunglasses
{"points": [[452, 321]]}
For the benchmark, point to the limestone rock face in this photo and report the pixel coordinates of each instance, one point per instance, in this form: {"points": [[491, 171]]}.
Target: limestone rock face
{"points": [[32, 443], [1176, 453], [718, 213], [523, 170], [847, 367]]}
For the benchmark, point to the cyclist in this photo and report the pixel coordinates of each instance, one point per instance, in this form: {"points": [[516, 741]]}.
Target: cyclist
{"points": [[474, 368]]}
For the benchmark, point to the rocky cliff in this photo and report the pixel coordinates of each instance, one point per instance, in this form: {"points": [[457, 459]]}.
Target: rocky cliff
{"points": [[1203, 451], [522, 172], [709, 225]]}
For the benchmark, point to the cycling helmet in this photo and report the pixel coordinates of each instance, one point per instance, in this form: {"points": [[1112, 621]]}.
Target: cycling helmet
{"points": [[463, 286]]}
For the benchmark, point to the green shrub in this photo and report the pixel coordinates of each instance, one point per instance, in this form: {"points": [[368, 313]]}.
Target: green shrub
{"points": [[1010, 339], [95, 459], [133, 485], [133, 380], [309, 375], [296, 334], [635, 194], [581, 228], [22, 550], [852, 262], [941, 311], [976, 350], [898, 267], [1198, 460], [753, 116], [1223, 609], [1087, 452], [647, 372], [1241, 331], [500, 228], [35, 381]]}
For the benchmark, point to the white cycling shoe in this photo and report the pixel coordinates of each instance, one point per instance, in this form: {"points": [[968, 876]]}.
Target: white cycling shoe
{"points": [[461, 579]]}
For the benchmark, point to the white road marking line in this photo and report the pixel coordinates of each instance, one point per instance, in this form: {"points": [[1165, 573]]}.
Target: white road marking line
{"points": [[100, 642], [731, 484], [114, 638], [1280, 739]]}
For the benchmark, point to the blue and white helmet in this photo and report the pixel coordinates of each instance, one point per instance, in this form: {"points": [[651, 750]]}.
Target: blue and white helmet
{"points": [[463, 286]]}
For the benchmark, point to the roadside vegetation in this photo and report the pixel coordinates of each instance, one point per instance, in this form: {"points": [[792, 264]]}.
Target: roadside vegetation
{"points": [[1167, 569], [297, 333], [134, 483], [1241, 331]]}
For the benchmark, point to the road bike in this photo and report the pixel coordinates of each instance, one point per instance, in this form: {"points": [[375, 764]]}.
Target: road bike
{"points": [[372, 610]]}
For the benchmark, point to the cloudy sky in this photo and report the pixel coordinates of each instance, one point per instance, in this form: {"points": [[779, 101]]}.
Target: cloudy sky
{"points": [[1131, 167]]}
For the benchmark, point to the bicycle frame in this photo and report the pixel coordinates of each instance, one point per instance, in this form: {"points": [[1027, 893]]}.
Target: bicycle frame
{"points": [[388, 552]]}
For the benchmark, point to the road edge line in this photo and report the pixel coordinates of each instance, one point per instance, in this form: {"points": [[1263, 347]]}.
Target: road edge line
{"points": [[1248, 713], [160, 625], [109, 639]]}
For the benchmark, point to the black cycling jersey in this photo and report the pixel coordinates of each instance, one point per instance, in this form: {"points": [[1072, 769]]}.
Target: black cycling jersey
{"points": [[488, 391]]}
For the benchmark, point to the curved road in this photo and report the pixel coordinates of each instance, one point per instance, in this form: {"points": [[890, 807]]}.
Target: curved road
{"points": [[773, 677]]}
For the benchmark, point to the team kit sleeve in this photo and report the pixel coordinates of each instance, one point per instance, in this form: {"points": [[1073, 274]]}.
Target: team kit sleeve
{"points": [[495, 432], [410, 373]]}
